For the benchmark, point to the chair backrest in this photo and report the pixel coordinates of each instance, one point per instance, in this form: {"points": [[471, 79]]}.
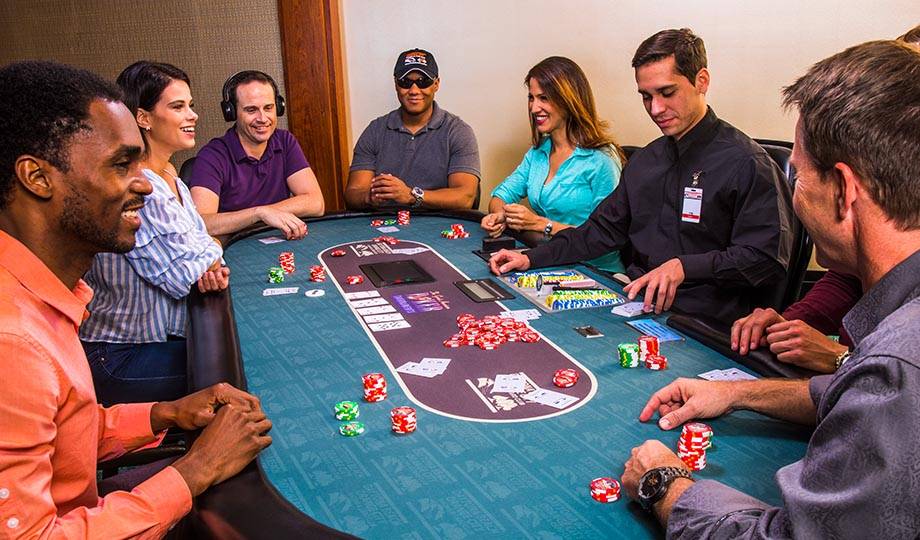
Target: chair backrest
{"points": [[187, 170], [630, 150], [788, 290]]}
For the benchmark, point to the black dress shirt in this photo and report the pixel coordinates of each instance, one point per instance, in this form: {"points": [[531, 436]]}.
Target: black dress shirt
{"points": [[742, 241]]}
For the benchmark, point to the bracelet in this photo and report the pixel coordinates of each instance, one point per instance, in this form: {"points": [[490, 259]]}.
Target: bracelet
{"points": [[841, 358]]}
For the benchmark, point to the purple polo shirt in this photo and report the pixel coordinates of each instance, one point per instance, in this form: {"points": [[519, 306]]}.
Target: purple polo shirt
{"points": [[242, 181]]}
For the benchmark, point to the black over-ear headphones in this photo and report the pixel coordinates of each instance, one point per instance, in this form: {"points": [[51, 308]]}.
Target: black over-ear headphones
{"points": [[228, 93]]}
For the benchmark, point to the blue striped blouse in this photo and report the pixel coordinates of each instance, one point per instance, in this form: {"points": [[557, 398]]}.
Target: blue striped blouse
{"points": [[139, 296]]}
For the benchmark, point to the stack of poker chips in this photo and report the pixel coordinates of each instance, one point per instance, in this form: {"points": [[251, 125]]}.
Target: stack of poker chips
{"points": [[649, 355], [354, 280], [628, 354], [338, 252], [528, 280], [575, 299], [286, 261], [695, 439], [317, 273], [351, 429], [375, 387], [376, 223], [275, 274], [404, 419], [456, 231], [387, 239], [565, 378], [489, 332], [605, 490], [346, 410], [402, 217]]}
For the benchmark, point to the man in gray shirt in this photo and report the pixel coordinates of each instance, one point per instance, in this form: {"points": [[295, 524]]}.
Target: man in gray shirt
{"points": [[418, 155], [856, 146]]}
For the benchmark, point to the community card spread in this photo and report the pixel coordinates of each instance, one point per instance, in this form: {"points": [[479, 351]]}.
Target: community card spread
{"points": [[383, 318], [375, 310], [361, 294], [368, 302]]}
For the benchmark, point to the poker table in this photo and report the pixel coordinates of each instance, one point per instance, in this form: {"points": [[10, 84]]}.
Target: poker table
{"points": [[479, 464]]}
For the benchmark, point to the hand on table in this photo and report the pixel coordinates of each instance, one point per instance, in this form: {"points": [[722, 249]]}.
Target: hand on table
{"points": [[231, 440], [686, 399], [520, 218], [506, 260], [660, 286], [793, 342], [197, 410], [386, 187], [643, 458], [494, 224], [215, 279], [292, 226]]}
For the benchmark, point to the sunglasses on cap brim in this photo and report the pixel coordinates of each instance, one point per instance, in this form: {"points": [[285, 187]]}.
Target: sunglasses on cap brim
{"points": [[422, 82]]}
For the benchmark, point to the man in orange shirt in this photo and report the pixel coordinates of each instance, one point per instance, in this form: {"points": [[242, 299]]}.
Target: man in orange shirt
{"points": [[70, 187]]}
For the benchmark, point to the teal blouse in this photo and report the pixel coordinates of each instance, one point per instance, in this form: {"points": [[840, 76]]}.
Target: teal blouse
{"points": [[582, 181]]}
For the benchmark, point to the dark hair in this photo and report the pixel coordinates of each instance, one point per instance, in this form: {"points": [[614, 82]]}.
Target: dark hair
{"points": [[567, 87], [911, 36], [42, 106], [862, 107], [143, 83], [686, 47], [243, 77]]}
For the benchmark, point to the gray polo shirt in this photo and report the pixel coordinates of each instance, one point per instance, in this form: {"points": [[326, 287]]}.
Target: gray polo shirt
{"points": [[445, 146], [860, 477]]}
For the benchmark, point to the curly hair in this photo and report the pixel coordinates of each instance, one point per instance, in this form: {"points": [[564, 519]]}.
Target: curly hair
{"points": [[42, 106]]}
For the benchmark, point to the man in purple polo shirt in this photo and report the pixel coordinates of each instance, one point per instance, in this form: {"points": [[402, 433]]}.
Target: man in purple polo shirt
{"points": [[254, 172]]}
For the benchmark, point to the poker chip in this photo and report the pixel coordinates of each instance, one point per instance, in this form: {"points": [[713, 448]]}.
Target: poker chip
{"points": [[656, 362], [628, 354], [351, 429], [565, 378], [387, 240], [402, 217], [354, 280], [376, 223], [317, 273], [275, 274], [456, 231], [490, 332], [286, 261], [337, 252], [695, 439], [403, 420], [648, 346], [314, 293], [389, 222], [605, 489], [375, 387], [346, 410]]}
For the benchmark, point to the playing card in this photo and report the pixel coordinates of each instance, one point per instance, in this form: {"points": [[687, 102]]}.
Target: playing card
{"points": [[383, 318], [414, 368], [368, 302], [437, 364], [512, 382], [548, 397], [361, 294], [280, 290], [630, 309], [712, 375], [522, 315], [271, 240], [389, 325], [375, 310], [735, 374], [388, 229]]}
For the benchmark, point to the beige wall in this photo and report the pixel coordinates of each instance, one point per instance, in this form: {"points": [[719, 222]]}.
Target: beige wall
{"points": [[209, 39], [485, 47]]}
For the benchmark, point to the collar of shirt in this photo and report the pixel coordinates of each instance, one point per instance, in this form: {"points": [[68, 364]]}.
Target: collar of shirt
{"points": [[701, 134], [32, 273], [394, 120], [900, 285], [546, 146], [232, 140]]}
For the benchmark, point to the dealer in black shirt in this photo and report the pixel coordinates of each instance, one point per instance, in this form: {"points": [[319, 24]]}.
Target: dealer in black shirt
{"points": [[702, 214]]}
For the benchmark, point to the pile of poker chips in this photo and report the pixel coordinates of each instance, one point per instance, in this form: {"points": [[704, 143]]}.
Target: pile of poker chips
{"points": [[628, 354], [317, 273], [403, 419], [649, 355], [286, 261], [402, 217], [354, 280], [337, 252], [605, 489], [376, 223], [528, 280], [695, 439], [351, 429], [375, 387], [489, 332], [346, 410], [275, 274], [575, 299], [565, 378], [387, 239], [456, 231]]}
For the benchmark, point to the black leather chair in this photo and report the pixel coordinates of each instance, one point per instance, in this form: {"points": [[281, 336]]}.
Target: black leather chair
{"points": [[187, 170], [630, 150], [788, 291]]}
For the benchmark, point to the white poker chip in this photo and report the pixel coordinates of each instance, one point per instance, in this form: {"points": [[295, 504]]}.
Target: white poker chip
{"points": [[314, 293]]}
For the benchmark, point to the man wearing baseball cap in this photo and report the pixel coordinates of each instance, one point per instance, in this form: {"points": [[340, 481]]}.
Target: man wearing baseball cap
{"points": [[418, 155]]}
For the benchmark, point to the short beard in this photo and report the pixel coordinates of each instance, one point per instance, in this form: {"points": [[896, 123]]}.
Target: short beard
{"points": [[78, 218]]}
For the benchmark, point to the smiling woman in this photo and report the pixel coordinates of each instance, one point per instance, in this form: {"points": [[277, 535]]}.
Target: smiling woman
{"points": [[134, 338]]}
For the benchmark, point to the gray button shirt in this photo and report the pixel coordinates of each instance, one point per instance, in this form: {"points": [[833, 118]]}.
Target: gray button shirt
{"points": [[425, 159], [860, 477]]}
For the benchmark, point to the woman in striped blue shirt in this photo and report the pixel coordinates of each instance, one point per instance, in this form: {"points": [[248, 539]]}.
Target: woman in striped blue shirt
{"points": [[134, 337]]}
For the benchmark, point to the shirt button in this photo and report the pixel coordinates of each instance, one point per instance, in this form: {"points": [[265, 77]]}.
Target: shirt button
{"points": [[411, 138], [4, 493], [12, 523]]}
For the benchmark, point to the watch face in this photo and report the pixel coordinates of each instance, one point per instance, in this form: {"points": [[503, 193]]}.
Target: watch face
{"points": [[650, 484]]}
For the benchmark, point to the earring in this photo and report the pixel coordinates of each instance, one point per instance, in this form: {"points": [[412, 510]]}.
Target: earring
{"points": [[147, 128]]}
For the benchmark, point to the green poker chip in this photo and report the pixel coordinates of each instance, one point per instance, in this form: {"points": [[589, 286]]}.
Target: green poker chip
{"points": [[351, 429], [346, 410]]}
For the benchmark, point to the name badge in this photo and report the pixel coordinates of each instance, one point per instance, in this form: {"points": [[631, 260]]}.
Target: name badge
{"points": [[693, 205]]}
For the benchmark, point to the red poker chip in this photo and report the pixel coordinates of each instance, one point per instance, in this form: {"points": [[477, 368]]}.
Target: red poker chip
{"points": [[354, 280], [338, 253]]}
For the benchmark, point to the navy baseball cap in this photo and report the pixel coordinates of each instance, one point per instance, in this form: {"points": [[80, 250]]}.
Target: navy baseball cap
{"points": [[416, 60]]}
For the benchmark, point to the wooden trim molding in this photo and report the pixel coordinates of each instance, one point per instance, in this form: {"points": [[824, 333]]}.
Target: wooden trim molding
{"points": [[314, 75]]}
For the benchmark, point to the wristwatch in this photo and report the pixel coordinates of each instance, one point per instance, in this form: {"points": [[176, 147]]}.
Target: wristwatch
{"points": [[419, 195], [841, 359], [548, 230], [654, 484]]}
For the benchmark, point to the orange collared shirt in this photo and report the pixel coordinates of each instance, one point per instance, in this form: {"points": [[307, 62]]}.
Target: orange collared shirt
{"points": [[52, 430]]}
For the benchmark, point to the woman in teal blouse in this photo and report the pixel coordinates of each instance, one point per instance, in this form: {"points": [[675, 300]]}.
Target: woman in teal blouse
{"points": [[572, 166]]}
